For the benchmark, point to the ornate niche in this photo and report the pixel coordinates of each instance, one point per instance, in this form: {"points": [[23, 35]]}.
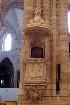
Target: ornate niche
{"points": [[36, 77], [37, 52]]}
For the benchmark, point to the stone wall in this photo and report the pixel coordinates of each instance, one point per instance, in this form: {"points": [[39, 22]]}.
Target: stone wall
{"points": [[54, 12]]}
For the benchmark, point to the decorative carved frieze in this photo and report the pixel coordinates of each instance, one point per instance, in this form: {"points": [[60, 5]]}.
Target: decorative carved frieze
{"points": [[35, 92], [37, 20], [36, 71]]}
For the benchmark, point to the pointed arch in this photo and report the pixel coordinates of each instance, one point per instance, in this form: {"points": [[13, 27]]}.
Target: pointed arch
{"points": [[6, 73]]}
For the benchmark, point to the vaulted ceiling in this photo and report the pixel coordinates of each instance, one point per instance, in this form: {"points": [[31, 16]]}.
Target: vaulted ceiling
{"points": [[13, 15]]}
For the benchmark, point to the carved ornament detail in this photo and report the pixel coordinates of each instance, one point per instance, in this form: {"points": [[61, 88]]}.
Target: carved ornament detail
{"points": [[36, 72], [35, 92], [37, 20]]}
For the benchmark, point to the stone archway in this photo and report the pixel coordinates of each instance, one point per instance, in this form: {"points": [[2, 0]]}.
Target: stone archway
{"points": [[6, 73]]}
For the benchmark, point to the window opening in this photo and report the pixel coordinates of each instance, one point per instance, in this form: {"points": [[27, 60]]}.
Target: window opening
{"points": [[7, 42], [57, 78], [37, 52]]}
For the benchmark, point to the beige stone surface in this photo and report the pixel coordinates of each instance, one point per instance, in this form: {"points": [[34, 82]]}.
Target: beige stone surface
{"points": [[33, 89]]}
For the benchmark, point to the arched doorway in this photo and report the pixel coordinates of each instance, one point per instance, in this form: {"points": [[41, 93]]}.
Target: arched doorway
{"points": [[6, 74]]}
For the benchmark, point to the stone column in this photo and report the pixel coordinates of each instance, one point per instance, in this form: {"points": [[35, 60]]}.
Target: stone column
{"points": [[64, 59], [1, 14], [28, 11], [53, 47], [46, 12], [63, 13]]}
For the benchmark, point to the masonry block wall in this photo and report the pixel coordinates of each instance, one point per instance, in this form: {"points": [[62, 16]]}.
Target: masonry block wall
{"points": [[54, 12]]}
